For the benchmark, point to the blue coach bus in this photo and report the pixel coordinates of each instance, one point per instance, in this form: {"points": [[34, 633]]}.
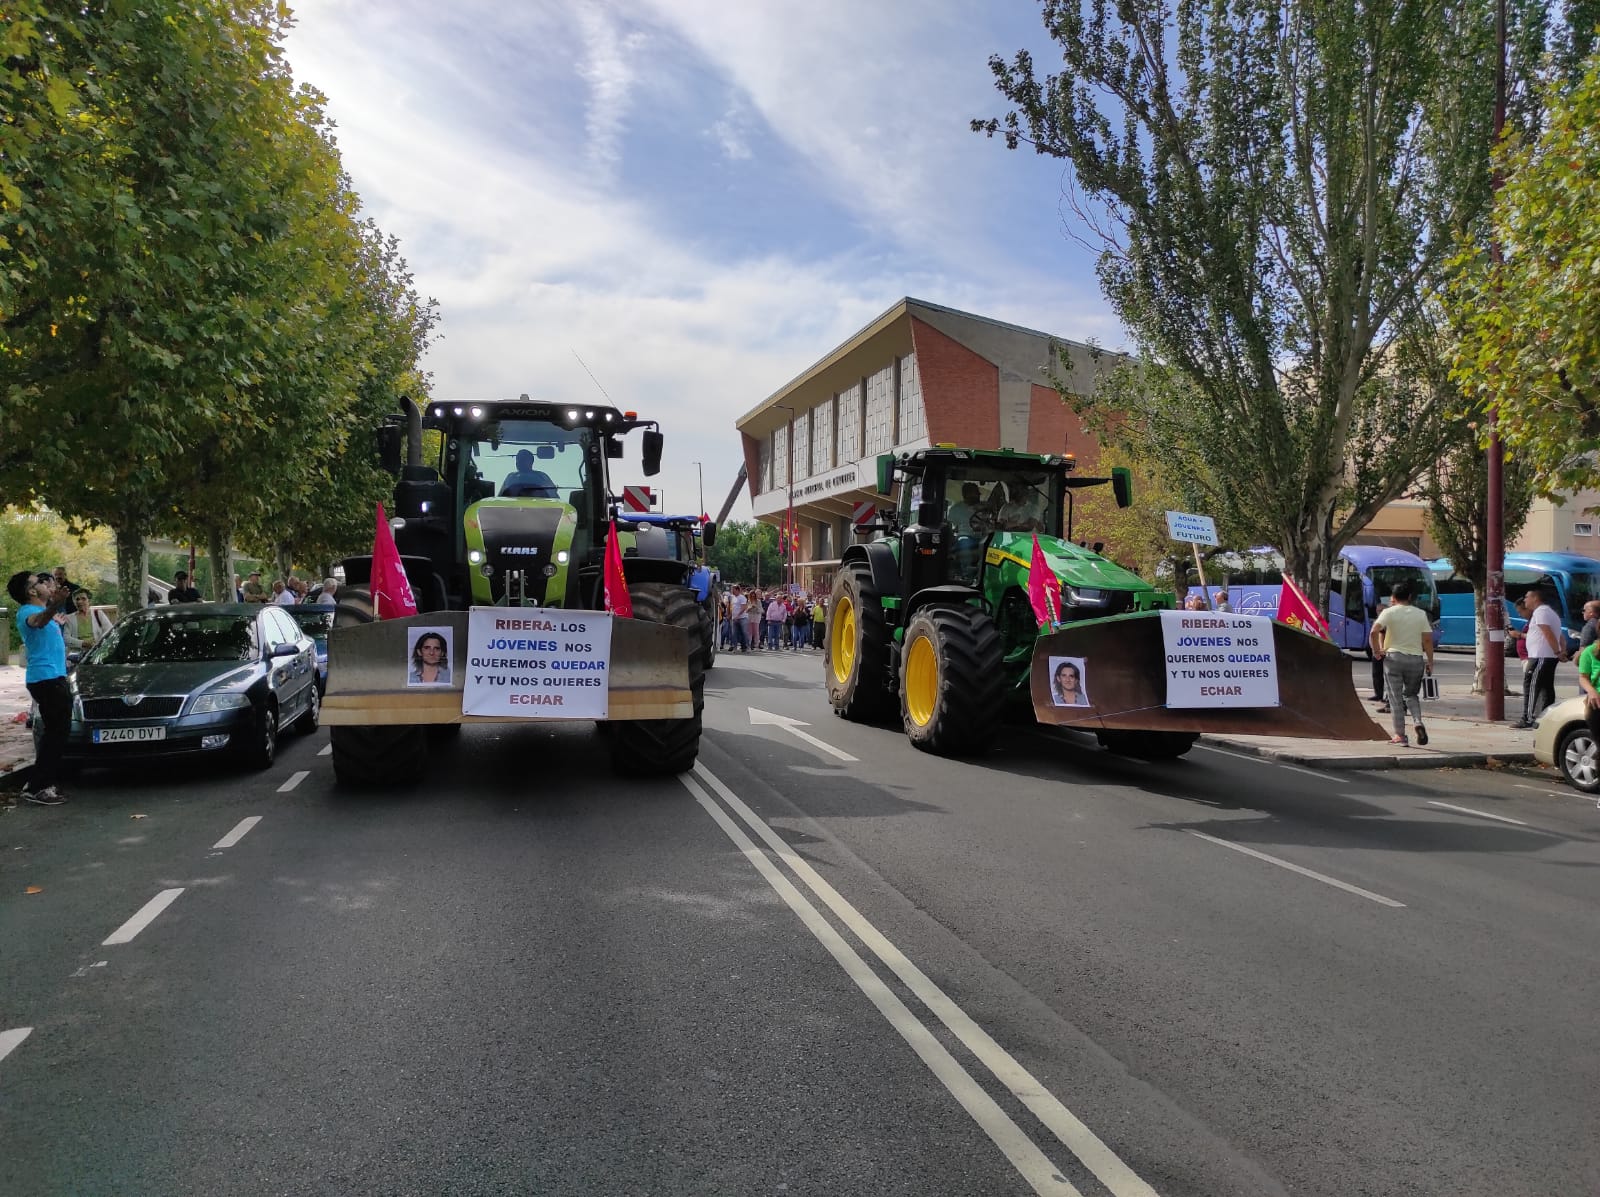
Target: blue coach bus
{"points": [[1361, 573], [1570, 579]]}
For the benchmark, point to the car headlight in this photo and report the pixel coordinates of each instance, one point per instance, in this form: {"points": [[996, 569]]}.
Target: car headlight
{"points": [[207, 703]]}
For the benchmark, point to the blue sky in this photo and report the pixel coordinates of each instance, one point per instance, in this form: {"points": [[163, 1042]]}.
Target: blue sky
{"points": [[698, 197]]}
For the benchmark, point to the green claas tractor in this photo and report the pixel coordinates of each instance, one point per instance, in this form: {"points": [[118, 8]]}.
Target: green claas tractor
{"points": [[933, 621], [501, 516]]}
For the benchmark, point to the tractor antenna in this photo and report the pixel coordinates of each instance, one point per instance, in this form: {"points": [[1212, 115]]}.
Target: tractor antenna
{"points": [[592, 378]]}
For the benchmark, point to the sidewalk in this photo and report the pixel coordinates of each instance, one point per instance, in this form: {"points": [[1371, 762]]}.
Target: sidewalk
{"points": [[16, 739], [1458, 737]]}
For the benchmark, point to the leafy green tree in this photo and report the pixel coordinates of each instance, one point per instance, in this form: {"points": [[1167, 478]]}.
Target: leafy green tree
{"points": [[1531, 345], [181, 245], [747, 553], [1273, 188]]}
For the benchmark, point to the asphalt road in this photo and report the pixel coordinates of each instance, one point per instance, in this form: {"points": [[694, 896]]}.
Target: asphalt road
{"points": [[822, 963]]}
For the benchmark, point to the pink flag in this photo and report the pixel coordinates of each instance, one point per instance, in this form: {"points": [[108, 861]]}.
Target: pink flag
{"points": [[391, 589], [1296, 610], [1044, 588], [618, 601]]}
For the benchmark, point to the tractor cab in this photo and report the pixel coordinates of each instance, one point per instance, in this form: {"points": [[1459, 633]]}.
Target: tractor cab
{"points": [[508, 502]]}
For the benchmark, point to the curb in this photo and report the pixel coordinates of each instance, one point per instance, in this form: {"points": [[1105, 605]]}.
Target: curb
{"points": [[1424, 758]]}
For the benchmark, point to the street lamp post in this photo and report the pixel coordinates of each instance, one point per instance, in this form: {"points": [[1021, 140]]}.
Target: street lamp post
{"points": [[701, 474], [788, 522]]}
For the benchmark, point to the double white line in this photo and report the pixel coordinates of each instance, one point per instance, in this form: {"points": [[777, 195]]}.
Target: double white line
{"points": [[1030, 1162]]}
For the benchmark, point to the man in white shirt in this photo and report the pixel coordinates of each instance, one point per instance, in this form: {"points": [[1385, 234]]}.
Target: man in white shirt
{"points": [[1546, 646], [330, 590], [738, 604], [282, 595]]}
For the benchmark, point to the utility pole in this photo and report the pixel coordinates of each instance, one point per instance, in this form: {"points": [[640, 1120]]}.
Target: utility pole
{"points": [[1494, 591], [788, 520], [701, 474]]}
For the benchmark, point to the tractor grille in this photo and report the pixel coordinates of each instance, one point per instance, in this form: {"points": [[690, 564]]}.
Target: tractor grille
{"points": [[162, 707]]}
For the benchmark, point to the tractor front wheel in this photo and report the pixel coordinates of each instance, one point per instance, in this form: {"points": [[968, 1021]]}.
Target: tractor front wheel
{"points": [[662, 747], [951, 680], [856, 660]]}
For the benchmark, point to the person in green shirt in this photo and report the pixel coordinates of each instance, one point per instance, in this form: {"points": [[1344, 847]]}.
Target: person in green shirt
{"points": [[1402, 638], [1589, 683]]}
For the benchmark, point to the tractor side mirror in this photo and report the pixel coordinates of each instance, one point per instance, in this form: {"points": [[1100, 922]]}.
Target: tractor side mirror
{"points": [[708, 535], [654, 442], [886, 473], [390, 439], [1122, 485], [614, 447]]}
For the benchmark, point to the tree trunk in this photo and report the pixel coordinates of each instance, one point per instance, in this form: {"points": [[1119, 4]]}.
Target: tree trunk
{"points": [[221, 566], [132, 569], [285, 562]]}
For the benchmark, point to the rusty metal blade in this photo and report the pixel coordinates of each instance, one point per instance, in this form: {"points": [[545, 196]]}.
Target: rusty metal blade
{"points": [[1125, 666], [367, 666]]}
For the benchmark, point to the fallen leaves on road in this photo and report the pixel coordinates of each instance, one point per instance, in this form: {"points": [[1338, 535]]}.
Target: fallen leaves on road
{"points": [[137, 816], [34, 889]]}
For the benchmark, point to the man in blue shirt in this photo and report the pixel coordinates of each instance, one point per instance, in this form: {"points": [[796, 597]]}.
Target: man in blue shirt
{"points": [[39, 600]]}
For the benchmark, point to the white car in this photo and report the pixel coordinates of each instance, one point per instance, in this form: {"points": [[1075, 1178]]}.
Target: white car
{"points": [[1562, 739]]}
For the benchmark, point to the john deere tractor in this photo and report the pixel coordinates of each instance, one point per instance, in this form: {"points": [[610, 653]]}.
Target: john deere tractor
{"points": [[933, 621], [501, 516]]}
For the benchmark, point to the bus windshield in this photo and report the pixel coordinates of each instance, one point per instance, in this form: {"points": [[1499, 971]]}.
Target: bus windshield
{"points": [[1385, 577]]}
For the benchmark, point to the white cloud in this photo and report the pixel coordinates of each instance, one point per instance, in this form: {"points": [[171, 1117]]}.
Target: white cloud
{"points": [[489, 138], [608, 69]]}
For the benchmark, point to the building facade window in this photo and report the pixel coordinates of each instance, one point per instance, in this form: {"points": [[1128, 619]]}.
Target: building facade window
{"points": [[913, 425], [780, 458], [880, 412], [822, 437], [764, 481], [847, 408], [1584, 529], [802, 445]]}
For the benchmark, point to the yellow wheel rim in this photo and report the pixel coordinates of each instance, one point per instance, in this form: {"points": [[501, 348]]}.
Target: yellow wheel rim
{"points": [[842, 631], [922, 681]]}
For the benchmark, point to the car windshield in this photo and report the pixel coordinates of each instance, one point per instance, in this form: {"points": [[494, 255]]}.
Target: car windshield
{"points": [[152, 636], [530, 459]]}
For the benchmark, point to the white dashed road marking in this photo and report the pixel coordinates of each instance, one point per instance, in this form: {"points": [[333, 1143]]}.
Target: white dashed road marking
{"points": [[294, 780], [1482, 814], [10, 1040], [1267, 760], [327, 750], [147, 915], [238, 833], [1303, 871]]}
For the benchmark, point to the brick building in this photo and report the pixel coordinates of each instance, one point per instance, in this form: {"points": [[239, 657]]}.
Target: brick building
{"points": [[919, 374]]}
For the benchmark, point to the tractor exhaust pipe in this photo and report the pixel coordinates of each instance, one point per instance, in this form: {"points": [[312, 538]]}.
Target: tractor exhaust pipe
{"points": [[413, 430]]}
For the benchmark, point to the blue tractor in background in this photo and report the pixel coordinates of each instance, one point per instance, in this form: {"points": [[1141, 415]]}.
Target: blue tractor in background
{"points": [[679, 537]]}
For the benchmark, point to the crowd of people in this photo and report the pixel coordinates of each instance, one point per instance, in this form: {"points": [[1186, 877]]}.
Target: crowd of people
{"points": [[753, 620], [287, 591]]}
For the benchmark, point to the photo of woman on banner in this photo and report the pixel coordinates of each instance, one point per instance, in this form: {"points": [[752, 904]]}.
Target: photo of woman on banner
{"points": [[1067, 682], [430, 657]]}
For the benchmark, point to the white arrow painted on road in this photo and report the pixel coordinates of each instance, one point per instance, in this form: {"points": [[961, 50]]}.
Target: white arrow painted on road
{"points": [[760, 718]]}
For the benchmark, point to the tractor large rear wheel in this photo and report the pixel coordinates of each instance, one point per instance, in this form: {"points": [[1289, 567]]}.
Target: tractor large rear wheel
{"points": [[856, 657], [662, 747], [379, 754], [951, 680]]}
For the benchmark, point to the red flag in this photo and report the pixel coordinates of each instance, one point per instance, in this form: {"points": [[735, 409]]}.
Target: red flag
{"points": [[1296, 610], [617, 600], [1044, 588], [391, 589]]}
